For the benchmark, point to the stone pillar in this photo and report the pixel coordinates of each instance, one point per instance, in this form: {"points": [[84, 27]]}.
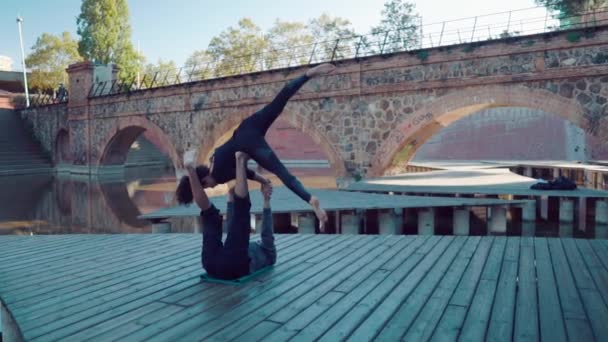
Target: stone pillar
{"points": [[588, 178], [80, 77], [497, 224], [601, 211], [426, 221], [543, 202], [601, 219], [350, 222], [528, 171], [528, 212], [461, 221], [306, 223], [566, 217], [161, 227], [581, 213], [566, 210], [387, 222], [528, 218]]}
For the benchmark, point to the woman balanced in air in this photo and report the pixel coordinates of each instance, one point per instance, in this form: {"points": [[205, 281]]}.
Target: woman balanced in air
{"points": [[249, 138]]}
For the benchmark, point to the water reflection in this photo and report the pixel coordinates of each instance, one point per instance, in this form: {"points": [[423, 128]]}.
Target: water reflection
{"points": [[60, 204], [67, 204]]}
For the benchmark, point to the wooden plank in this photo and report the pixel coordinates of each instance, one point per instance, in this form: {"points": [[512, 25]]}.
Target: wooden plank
{"points": [[106, 285], [236, 322], [51, 278], [156, 316], [298, 314], [285, 201], [374, 282], [196, 316], [158, 289], [552, 326], [478, 316], [104, 331], [596, 269], [595, 307], [426, 322], [18, 261], [287, 330], [57, 325], [258, 332], [503, 309], [369, 311], [50, 268], [526, 314], [600, 252], [86, 287], [454, 315], [577, 325], [412, 303]]}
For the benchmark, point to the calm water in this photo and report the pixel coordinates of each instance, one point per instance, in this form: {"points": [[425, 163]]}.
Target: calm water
{"points": [[59, 204], [63, 204]]}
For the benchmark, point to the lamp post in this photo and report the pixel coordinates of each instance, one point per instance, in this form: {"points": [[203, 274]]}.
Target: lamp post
{"points": [[27, 95]]}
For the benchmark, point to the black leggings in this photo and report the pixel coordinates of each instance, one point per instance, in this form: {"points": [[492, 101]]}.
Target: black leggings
{"points": [[249, 137]]}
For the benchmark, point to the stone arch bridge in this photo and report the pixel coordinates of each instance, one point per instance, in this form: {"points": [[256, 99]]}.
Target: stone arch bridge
{"points": [[371, 113]]}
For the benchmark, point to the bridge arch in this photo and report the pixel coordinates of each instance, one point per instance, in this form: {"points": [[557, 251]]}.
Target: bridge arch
{"points": [[218, 134], [115, 145], [403, 141]]}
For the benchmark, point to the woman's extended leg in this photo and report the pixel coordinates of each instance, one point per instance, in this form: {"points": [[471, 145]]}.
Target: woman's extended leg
{"points": [[263, 118]]}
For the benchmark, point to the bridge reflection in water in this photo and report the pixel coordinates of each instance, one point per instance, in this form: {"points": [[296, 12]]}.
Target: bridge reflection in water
{"points": [[68, 204]]}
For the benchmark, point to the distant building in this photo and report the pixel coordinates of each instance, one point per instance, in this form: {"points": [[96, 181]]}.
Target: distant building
{"points": [[6, 63]]}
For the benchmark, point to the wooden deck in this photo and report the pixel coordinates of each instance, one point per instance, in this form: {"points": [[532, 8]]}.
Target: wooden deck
{"points": [[327, 287], [483, 182], [285, 201]]}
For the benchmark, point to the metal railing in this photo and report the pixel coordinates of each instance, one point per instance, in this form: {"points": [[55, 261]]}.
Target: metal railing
{"points": [[468, 30], [37, 100]]}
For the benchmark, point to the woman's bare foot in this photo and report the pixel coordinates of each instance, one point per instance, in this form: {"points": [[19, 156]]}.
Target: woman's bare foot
{"points": [[321, 214], [322, 69]]}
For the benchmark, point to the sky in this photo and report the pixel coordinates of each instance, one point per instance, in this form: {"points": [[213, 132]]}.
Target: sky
{"points": [[172, 30]]}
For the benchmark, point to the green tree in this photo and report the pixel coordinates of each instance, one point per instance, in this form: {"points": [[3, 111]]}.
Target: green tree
{"points": [[105, 35], [289, 43], [50, 57], [200, 65], [333, 37], [238, 49], [570, 10], [398, 28], [163, 73]]}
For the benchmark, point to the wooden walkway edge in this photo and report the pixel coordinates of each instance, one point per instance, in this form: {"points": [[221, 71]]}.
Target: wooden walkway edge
{"points": [[324, 287]]}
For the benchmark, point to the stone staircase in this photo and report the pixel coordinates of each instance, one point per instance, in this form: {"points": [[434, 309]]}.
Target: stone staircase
{"points": [[20, 154]]}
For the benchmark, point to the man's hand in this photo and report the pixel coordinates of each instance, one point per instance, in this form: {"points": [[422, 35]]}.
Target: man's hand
{"points": [[266, 189], [323, 69]]}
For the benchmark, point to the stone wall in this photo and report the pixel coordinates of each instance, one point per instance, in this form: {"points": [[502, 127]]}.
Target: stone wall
{"points": [[372, 112]]}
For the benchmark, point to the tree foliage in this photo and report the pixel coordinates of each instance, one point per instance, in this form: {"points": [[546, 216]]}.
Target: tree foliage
{"points": [[398, 29], [105, 35], [163, 72], [237, 49], [50, 57], [289, 43], [328, 31]]}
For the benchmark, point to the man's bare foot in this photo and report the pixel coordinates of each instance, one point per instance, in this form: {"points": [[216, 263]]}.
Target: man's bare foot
{"points": [[319, 212], [322, 69]]}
